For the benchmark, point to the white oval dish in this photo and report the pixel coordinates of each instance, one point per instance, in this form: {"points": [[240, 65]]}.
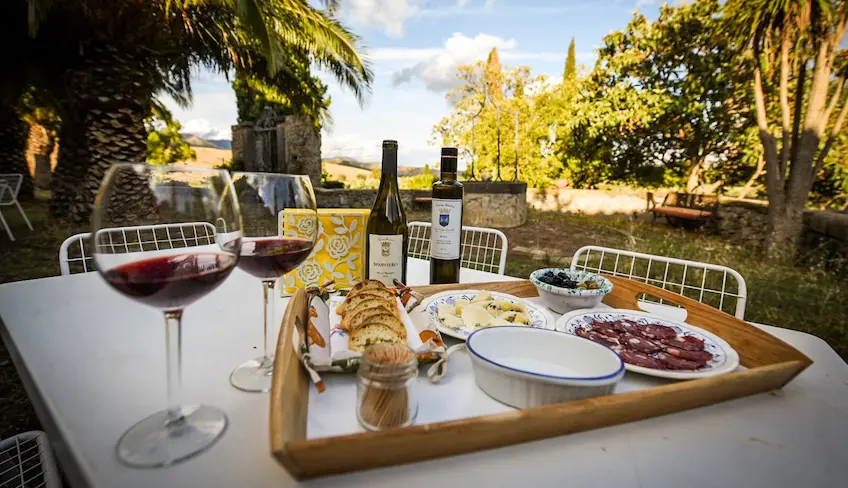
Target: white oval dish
{"points": [[540, 317], [526, 367], [725, 358]]}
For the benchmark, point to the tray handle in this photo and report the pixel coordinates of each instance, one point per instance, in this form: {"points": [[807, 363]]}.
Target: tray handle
{"points": [[290, 384]]}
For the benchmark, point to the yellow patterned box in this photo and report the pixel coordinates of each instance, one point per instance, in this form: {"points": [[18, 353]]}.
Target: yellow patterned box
{"points": [[339, 252]]}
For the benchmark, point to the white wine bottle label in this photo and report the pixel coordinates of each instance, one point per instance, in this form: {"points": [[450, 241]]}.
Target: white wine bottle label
{"points": [[385, 256], [446, 229]]}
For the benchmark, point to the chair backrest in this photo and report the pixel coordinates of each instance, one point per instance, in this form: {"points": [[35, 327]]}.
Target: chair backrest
{"points": [[10, 185], [718, 286], [75, 253], [482, 249]]}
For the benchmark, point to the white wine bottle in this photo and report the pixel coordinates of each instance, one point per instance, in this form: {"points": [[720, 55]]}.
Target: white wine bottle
{"points": [[386, 233], [446, 226]]}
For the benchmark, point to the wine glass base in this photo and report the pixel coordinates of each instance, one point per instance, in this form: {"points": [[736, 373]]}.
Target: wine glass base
{"points": [[254, 375], [157, 441]]}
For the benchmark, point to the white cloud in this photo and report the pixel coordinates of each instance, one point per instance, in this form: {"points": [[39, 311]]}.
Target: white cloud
{"points": [[439, 71], [388, 15], [203, 128]]}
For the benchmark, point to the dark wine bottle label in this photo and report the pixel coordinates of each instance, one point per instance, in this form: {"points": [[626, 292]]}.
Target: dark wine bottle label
{"points": [[385, 258], [446, 228]]}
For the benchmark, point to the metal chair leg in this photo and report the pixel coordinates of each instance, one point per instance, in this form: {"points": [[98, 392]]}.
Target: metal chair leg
{"points": [[26, 219], [6, 226]]}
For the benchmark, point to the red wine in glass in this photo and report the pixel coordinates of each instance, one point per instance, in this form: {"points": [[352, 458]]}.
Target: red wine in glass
{"points": [[169, 282], [269, 258]]}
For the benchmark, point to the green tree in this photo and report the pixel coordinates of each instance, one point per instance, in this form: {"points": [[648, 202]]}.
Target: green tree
{"points": [[570, 73], [787, 43], [165, 144], [113, 56], [472, 125], [663, 99]]}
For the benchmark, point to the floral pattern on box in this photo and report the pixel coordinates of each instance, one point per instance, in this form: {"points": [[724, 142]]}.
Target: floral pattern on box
{"points": [[339, 252]]}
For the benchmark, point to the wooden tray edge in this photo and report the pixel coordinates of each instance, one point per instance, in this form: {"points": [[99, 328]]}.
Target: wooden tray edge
{"points": [[368, 450], [308, 458]]}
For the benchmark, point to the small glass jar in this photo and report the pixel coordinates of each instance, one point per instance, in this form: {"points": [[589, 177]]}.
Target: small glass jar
{"points": [[386, 387]]}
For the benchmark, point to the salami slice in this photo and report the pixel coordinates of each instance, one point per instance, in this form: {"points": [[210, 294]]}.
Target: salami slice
{"points": [[657, 331], [599, 338], [702, 357], [630, 327], [640, 344], [673, 362], [605, 329], [688, 343], [637, 358]]}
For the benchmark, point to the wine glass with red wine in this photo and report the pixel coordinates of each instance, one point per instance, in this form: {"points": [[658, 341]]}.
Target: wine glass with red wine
{"points": [[165, 236], [270, 250]]}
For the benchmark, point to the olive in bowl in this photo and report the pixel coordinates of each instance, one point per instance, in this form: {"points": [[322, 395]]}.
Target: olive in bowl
{"points": [[565, 289]]}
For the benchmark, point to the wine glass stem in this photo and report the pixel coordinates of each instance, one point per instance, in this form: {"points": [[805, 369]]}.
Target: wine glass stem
{"points": [[268, 298], [174, 356]]}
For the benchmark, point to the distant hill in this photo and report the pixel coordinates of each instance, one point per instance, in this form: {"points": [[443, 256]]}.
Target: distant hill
{"points": [[353, 163], [196, 141], [222, 143]]}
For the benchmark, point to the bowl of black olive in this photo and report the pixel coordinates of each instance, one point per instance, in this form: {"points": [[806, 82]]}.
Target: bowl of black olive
{"points": [[565, 289]]}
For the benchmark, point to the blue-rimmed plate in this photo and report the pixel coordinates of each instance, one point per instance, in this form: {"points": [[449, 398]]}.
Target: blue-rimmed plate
{"points": [[725, 358], [540, 317]]}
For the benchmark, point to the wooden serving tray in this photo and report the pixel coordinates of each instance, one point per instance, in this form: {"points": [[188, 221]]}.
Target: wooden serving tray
{"points": [[771, 364]]}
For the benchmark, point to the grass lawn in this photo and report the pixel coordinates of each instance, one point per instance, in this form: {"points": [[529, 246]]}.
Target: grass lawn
{"points": [[809, 299]]}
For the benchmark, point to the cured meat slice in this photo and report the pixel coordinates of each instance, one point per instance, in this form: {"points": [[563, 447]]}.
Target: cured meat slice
{"points": [[702, 357], [630, 327], [641, 344], [637, 358], [618, 326], [605, 329], [674, 362], [657, 331], [599, 338], [688, 343]]}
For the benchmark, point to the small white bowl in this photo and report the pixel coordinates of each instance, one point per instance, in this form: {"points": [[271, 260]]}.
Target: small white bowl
{"points": [[526, 367], [564, 300]]}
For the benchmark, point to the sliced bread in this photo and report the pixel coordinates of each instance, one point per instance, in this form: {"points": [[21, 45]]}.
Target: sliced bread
{"points": [[372, 334], [365, 285], [364, 309], [366, 295]]}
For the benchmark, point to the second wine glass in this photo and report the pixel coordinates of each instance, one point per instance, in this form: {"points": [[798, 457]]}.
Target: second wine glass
{"points": [[269, 251]]}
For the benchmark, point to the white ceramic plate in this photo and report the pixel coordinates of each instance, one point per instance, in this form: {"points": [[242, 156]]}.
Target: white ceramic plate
{"points": [[725, 358], [540, 317]]}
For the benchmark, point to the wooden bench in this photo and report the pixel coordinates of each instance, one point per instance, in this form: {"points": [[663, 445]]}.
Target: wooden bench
{"points": [[686, 206], [423, 199]]}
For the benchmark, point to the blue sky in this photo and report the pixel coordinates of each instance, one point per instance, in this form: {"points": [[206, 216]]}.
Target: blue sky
{"points": [[415, 47]]}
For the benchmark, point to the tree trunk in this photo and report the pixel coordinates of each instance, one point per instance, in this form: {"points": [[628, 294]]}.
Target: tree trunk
{"points": [[694, 176], [13, 142], [750, 184], [41, 144], [105, 125]]}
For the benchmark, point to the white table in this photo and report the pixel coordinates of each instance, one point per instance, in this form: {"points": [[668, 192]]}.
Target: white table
{"points": [[93, 364]]}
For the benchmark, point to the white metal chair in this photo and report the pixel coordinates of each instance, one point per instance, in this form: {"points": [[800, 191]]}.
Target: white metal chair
{"points": [[482, 249], [718, 286], [76, 250], [26, 460], [10, 185]]}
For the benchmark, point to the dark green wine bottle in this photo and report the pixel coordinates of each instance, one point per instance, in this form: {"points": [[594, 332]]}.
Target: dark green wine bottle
{"points": [[446, 228], [386, 233]]}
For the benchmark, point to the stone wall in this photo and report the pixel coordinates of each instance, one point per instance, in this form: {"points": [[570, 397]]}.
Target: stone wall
{"points": [[501, 205], [345, 198], [494, 204]]}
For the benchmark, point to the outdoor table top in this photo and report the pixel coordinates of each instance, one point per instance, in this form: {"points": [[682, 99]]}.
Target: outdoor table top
{"points": [[93, 363]]}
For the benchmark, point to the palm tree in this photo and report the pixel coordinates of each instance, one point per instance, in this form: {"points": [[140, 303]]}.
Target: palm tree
{"points": [[119, 54], [789, 42]]}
